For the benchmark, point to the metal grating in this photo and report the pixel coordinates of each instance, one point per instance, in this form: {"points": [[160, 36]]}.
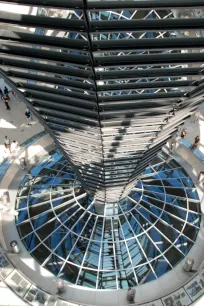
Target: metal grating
{"points": [[111, 80]]}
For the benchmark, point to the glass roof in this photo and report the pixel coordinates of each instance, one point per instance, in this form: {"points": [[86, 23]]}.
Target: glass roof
{"points": [[133, 242]]}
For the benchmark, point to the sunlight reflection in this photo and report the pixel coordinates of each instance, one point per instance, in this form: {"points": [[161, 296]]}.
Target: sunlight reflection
{"points": [[6, 125], [15, 8], [200, 302], [29, 262], [9, 298], [44, 272]]}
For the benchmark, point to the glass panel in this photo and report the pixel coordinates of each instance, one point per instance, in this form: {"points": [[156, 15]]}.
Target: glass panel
{"points": [[37, 210], [55, 236], [152, 209], [173, 210], [77, 254], [176, 192], [126, 279], [187, 182], [190, 231], [153, 201], [41, 253], [22, 216], [43, 218], [135, 252], [173, 256], [107, 280], [149, 248], [135, 195], [92, 256], [54, 264], [70, 273], [167, 231], [194, 206], [47, 229], [31, 241], [194, 218], [159, 240], [66, 246], [87, 279], [21, 203], [97, 233], [183, 244], [136, 228], [123, 257], [192, 194], [24, 229], [107, 257], [126, 228], [160, 266], [142, 273], [173, 221]]}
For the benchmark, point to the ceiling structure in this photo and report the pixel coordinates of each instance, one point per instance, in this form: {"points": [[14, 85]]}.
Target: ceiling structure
{"points": [[111, 80]]}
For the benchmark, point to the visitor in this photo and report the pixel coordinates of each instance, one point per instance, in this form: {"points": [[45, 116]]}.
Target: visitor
{"points": [[14, 146], [131, 295], [1, 93], [196, 115], [7, 143], [172, 142], [6, 92], [196, 142], [28, 116], [183, 133], [5, 99], [31, 117]]}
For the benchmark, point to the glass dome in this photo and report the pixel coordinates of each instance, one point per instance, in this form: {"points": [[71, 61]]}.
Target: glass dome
{"points": [[133, 242]]}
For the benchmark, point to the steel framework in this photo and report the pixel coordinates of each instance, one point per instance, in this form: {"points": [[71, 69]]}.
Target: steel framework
{"points": [[110, 83]]}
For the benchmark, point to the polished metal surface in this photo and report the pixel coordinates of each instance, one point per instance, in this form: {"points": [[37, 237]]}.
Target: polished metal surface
{"points": [[111, 81]]}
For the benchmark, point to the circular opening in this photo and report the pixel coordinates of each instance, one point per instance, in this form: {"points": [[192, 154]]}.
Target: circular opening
{"points": [[130, 243]]}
